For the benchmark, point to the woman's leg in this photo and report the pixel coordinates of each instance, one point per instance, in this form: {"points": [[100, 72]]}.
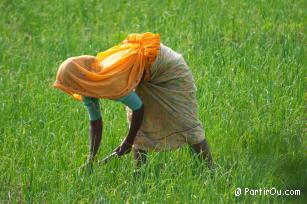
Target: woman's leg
{"points": [[139, 157], [202, 149]]}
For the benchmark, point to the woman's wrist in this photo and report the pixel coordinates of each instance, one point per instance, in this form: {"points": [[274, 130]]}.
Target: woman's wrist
{"points": [[127, 142], [90, 160]]}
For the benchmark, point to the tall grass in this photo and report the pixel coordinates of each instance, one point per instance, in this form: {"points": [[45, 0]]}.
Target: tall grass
{"points": [[249, 64]]}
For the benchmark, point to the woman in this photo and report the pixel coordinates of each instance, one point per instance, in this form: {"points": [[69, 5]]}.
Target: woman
{"points": [[153, 81]]}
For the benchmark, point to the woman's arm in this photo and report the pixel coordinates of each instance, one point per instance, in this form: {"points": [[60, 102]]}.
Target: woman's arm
{"points": [[92, 105], [95, 137], [136, 121], [134, 102]]}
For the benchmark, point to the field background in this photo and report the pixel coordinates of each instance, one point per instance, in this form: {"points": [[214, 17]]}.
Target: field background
{"points": [[249, 65]]}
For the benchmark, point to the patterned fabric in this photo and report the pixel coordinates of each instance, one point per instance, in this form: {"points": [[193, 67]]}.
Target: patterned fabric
{"points": [[171, 110], [133, 101]]}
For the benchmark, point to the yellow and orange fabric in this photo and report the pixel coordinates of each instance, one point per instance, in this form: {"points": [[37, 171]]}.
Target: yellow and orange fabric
{"points": [[113, 73]]}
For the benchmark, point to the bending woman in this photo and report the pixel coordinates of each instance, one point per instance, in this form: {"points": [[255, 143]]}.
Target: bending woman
{"points": [[155, 84]]}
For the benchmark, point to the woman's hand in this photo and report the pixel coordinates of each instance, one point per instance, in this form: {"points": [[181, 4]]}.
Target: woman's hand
{"points": [[136, 121], [124, 148], [87, 167]]}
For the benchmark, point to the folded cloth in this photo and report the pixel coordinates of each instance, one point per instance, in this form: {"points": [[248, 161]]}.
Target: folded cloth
{"points": [[171, 117], [114, 73]]}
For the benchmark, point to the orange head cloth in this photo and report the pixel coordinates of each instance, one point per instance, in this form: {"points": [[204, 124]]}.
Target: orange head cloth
{"points": [[113, 73]]}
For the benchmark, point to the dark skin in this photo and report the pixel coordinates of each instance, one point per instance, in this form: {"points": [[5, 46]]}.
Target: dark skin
{"points": [[94, 141], [125, 147], [136, 121], [202, 148]]}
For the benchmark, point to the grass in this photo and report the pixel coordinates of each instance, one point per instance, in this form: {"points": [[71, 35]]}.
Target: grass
{"points": [[249, 64]]}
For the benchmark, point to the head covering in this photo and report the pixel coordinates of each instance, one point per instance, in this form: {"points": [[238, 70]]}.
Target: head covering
{"points": [[113, 73]]}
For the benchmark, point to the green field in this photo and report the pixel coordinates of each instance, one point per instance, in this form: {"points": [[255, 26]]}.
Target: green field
{"points": [[249, 64]]}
